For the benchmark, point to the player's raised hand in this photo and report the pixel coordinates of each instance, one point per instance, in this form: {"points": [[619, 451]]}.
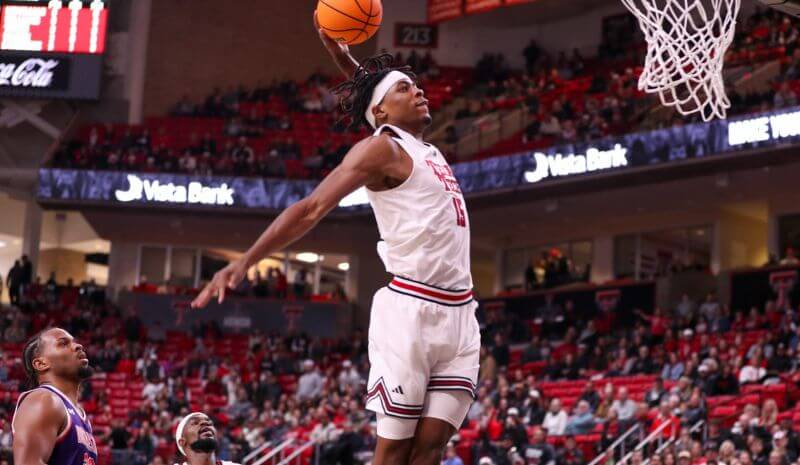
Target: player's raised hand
{"points": [[338, 51], [226, 278], [333, 46]]}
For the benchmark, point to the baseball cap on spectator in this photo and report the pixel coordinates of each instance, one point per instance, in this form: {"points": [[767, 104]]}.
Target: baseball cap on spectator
{"points": [[512, 412], [534, 393], [685, 454], [347, 364], [485, 461]]}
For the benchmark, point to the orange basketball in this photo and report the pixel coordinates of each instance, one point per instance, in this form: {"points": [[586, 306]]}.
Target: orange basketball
{"points": [[349, 21]]}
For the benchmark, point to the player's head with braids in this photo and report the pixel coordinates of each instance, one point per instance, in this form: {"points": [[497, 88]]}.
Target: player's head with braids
{"points": [[380, 92], [29, 353], [53, 353]]}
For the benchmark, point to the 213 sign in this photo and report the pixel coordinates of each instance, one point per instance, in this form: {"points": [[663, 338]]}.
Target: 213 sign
{"points": [[416, 35]]}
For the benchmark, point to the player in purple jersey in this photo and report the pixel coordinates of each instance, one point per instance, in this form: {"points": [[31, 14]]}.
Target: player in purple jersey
{"points": [[48, 425]]}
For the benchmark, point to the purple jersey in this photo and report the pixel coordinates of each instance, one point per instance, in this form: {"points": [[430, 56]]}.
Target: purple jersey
{"points": [[75, 445]]}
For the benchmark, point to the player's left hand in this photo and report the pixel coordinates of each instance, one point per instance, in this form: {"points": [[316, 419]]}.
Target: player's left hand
{"points": [[334, 48], [226, 278]]}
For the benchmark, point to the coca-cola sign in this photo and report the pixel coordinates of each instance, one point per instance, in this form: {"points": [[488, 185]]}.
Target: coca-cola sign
{"points": [[50, 75], [33, 72]]}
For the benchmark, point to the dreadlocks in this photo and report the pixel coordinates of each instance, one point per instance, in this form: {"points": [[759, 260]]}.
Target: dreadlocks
{"points": [[31, 351], [355, 94]]}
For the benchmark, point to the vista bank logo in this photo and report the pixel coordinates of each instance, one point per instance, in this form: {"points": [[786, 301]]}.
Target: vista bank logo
{"points": [[194, 193], [594, 160]]}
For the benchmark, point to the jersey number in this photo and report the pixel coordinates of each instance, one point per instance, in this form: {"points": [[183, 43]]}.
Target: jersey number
{"points": [[461, 215]]}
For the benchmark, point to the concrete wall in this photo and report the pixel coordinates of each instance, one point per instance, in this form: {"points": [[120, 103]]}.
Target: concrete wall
{"points": [[65, 263], [742, 241], [122, 265], [462, 41], [196, 45]]}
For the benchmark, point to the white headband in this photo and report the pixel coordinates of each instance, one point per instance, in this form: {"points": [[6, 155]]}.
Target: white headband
{"points": [[181, 426], [380, 92]]}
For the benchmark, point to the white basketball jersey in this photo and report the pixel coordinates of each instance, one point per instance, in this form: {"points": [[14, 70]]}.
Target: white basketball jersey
{"points": [[423, 222]]}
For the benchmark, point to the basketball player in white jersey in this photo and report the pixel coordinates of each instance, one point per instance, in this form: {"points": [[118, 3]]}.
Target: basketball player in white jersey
{"points": [[196, 438], [423, 336]]}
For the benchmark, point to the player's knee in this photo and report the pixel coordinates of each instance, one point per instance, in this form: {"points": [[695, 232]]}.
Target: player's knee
{"points": [[428, 446], [391, 452], [430, 441]]}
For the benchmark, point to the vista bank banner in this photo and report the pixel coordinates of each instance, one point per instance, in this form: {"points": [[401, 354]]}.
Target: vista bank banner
{"points": [[157, 189], [664, 147]]}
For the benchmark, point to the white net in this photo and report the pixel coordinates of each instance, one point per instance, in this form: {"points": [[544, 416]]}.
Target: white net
{"points": [[686, 45]]}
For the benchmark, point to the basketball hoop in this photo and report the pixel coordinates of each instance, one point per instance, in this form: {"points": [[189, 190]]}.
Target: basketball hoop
{"points": [[686, 45]]}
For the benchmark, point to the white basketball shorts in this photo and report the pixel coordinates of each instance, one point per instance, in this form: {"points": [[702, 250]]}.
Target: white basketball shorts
{"points": [[422, 340]]}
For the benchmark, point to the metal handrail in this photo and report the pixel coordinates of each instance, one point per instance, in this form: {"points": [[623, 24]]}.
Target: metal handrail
{"points": [[615, 444], [258, 450], [671, 441], [650, 437], [297, 452], [278, 450]]}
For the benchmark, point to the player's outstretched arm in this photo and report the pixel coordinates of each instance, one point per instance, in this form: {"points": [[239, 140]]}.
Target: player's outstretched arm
{"points": [[367, 163], [339, 52], [37, 423]]}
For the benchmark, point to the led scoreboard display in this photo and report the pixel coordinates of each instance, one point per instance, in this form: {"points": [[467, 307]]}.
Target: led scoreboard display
{"points": [[52, 48]]}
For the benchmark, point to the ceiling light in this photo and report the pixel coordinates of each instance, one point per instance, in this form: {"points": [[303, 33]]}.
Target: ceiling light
{"points": [[308, 257], [344, 266]]}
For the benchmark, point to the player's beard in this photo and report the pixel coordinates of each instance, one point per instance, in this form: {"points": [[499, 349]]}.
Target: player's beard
{"points": [[85, 373], [204, 445]]}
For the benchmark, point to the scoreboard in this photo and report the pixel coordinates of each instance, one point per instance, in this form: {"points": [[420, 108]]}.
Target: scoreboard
{"points": [[52, 48]]}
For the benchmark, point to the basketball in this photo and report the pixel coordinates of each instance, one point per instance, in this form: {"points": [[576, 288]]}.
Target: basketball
{"points": [[349, 21]]}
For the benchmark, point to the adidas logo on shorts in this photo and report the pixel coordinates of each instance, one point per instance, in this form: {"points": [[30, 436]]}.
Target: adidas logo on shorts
{"points": [[398, 390]]}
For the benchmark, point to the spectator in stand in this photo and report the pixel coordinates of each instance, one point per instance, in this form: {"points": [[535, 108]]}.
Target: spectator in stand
{"points": [[515, 428], [710, 309], [555, 421], [119, 437], [590, 395], [13, 282], [533, 351], [789, 260], [309, 385], [642, 364], [539, 452], [15, 333], [350, 377], [785, 97], [532, 408], [144, 442], [6, 438], [582, 421], [450, 456], [623, 407], [300, 283], [531, 280], [570, 454], [501, 351], [666, 416], [655, 394], [753, 372]]}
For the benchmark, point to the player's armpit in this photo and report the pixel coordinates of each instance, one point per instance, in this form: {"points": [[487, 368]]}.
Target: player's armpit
{"points": [[38, 421]]}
